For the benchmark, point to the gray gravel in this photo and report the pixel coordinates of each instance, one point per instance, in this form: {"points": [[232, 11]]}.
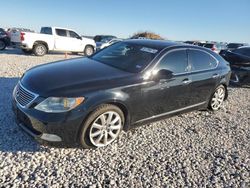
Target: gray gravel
{"points": [[198, 149]]}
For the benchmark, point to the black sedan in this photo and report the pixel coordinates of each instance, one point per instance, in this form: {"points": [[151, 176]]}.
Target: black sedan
{"points": [[239, 60], [89, 101], [4, 39]]}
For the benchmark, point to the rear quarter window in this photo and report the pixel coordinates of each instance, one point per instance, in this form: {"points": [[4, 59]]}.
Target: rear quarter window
{"points": [[201, 60]]}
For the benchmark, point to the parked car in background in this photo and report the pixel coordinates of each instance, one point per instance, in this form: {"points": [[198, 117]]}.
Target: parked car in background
{"points": [[4, 39], [53, 39], [239, 60], [89, 101], [99, 38], [233, 46], [216, 47], [106, 44], [197, 43]]}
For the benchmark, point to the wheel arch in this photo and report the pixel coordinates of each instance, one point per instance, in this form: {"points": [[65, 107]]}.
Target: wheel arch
{"points": [[41, 42]]}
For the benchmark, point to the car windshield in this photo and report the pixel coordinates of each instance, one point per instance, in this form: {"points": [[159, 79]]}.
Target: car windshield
{"points": [[126, 56]]}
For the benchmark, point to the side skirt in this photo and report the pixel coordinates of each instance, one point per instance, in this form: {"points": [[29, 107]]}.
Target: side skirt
{"points": [[190, 108]]}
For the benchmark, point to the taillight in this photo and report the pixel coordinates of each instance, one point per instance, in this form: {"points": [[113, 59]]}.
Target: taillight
{"points": [[22, 36], [213, 48]]}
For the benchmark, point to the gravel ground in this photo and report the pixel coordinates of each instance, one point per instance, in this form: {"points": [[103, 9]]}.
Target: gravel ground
{"points": [[198, 149]]}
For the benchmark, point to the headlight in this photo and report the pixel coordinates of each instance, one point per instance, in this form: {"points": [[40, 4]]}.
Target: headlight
{"points": [[59, 104]]}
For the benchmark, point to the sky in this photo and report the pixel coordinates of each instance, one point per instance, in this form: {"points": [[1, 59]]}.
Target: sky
{"points": [[215, 20]]}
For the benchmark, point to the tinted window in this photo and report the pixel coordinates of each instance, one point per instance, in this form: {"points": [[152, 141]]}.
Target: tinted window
{"points": [[201, 60], [61, 32], [175, 61], [243, 51], [73, 34], [126, 56], [46, 30]]}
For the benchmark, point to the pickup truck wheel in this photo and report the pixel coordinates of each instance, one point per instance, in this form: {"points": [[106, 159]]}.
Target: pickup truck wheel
{"points": [[89, 50], [39, 49], [2, 45]]}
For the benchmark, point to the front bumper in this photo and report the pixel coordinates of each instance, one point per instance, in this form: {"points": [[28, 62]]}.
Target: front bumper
{"points": [[50, 128]]}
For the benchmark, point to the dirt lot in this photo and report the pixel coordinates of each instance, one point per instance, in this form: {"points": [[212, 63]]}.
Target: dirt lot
{"points": [[198, 149]]}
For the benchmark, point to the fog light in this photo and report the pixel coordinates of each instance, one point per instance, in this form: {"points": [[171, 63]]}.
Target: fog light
{"points": [[51, 137]]}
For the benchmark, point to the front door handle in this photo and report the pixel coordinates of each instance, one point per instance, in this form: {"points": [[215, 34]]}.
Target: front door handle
{"points": [[215, 75], [186, 81]]}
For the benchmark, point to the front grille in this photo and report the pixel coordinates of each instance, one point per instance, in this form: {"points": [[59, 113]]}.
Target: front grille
{"points": [[23, 96]]}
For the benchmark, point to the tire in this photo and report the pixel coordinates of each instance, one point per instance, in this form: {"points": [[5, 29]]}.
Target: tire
{"points": [[3, 45], [40, 50], [88, 51], [97, 127], [217, 98], [27, 51]]}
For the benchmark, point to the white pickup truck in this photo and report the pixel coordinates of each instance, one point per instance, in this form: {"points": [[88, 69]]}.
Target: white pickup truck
{"points": [[52, 39]]}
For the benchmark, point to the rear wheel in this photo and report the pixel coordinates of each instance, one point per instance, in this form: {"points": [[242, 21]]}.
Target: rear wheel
{"points": [[102, 127], [39, 49], [2, 45], [217, 98], [88, 51]]}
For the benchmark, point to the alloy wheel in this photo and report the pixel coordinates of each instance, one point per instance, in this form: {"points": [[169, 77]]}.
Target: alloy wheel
{"points": [[218, 98], [40, 50], [105, 129], [89, 51]]}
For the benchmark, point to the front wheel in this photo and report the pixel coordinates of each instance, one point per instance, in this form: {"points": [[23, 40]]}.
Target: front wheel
{"points": [[88, 51], [102, 127], [2, 45], [217, 98]]}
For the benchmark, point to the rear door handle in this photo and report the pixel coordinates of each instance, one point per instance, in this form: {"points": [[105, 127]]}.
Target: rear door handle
{"points": [[215, 75], [186, 81]]}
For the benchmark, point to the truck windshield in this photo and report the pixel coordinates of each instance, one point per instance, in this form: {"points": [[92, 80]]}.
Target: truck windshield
{"points": [[126, 56]]}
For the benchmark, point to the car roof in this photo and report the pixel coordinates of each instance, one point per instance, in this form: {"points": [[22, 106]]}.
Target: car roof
{"points": [[158, 44]]}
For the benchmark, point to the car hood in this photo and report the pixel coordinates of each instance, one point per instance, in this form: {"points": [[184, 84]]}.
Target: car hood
{"points": [[237, 59], [72, 78]]}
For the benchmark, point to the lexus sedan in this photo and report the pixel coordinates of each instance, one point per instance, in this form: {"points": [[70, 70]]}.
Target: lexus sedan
{"points": [[239, 60], [89, 101]]}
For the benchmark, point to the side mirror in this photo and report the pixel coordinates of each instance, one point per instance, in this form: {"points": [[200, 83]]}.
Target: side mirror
{"points": [[80, 38], [163, 74]]}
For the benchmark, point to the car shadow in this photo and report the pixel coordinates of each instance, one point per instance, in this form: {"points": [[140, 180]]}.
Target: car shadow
{"points": [[12, 138]]}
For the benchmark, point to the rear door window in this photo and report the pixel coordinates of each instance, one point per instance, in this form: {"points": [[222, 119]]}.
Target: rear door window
{"points": [[61, 32], [201, 60], [175, 61]]}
